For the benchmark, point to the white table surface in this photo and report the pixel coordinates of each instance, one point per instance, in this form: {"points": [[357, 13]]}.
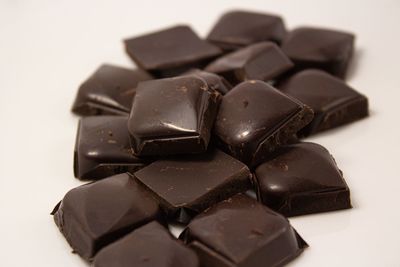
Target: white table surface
{"points": [[47, 48]]}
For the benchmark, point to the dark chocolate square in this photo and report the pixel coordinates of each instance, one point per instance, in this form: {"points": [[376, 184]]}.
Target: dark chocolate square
{"points": [[94, 215], [108, 91], [254, 119], [333, 101], [187, 185], [103, 148], [301, 179], [237, 29], [172, 116], [240, 232]]}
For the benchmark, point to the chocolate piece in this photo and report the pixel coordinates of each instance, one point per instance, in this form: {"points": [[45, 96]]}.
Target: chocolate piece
{"points": [[262, 61], [187, 185], [103, 149], [172, 116], [334, 102], [254, 119], [108, 91], [302, 178], [213, 80], [237, 29], [171, 51], [93, 215], [324, 49], [148, 246], [240, 232]]}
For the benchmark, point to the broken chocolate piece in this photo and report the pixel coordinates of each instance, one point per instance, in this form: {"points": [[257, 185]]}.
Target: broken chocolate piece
{"points": [[301, 179], [103, 148], [187, 185], [108, 91], [262, 61], [93, 215], [171, 52], [240, 232], [324, 49], [254, 119], [172, 116], [237, 29], [213, 80], [148, 246], [334, 102]]}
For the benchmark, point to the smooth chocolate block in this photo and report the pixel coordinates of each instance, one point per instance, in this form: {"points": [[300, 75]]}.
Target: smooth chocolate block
{"points": [[94, 215], [103, 149], [172, 116], [187, 185], [254, 119], [108, 91], [171, 51], [214, 81], [237, 29], [262, 61], [329, 50], [241, 232], [301, 179], [333, 101], [148, 246]]}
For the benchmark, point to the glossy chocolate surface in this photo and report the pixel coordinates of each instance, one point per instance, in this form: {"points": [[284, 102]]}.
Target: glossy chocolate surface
{"points": [[214, 81], [108, 91], [329, 50], [333, 101], [148, 246], [93, 215], [172, 116], [189, 184], [237, 29], [302, 178], [262, 61], [170, 51], [103, 149], [241, 232], [254, 119]]}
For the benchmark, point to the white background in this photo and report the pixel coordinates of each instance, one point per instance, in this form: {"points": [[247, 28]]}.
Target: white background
{"points": [[47, 48]]}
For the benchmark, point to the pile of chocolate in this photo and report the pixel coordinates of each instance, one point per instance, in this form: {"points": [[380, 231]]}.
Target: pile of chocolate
{"points": [[200, 125]]}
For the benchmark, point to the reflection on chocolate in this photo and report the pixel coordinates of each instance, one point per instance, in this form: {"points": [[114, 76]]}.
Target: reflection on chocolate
{"points": [[324, 49], [237, 29], [172, 116], [213, 80], [102, 148], [171, 51], [240, 232], [334, 102], [93, 215], [148, 246], [187, 185], [254, 119], [108, 91], [300, 179]]}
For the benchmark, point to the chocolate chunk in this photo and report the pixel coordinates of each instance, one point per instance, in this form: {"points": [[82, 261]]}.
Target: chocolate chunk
{"points": [[262, 61], [240, 232], [108, 91], [324, 49], [171, 51], [148, 246], [187, 185], [334, 102], [213, 80], [255, 118], [103, 148], [237, 29], [172, 116], [93, 215], [301, 179]]}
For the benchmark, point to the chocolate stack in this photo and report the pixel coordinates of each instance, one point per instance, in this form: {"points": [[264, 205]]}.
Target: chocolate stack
{"points": [[185, 138]]}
